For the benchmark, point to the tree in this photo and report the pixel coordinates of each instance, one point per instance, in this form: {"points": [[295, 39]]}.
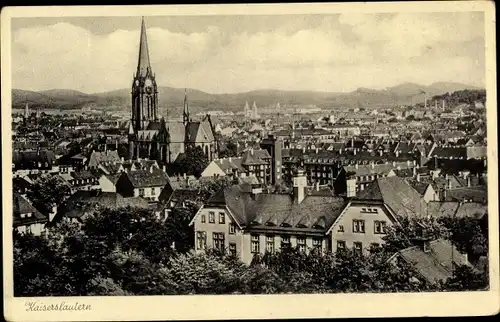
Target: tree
{"points": [[178, 229], [410, 117], [231, 150], [47, 192], [466, 278], [192, 162]]}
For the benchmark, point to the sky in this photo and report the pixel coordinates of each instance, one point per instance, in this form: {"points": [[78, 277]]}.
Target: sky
{"points": [[229, 54]]}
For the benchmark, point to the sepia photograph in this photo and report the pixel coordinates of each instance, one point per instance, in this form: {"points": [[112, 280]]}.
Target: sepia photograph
{"points": [[331, 153]]}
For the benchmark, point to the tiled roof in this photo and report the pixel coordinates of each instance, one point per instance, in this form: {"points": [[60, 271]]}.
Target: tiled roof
{"points": [[368, 169], [397, 194], [177, 131], [436, 264], [97, 158], [280, 211], [228, 164], [26, 159], [147, 178], [90, 201], [476, 194], [23, 206], [189, 182], [255, 157], [20, 184], [449, 152]]}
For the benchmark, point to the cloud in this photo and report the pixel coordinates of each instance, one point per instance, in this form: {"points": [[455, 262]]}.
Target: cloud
{"points": [[339, 53]]}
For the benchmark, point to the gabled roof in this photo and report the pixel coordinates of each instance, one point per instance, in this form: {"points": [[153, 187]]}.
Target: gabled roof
{"points": [[90, 201], [97, 158], [396, 193], [177, 131], [227, 164], [437, 264], [279, 211], [24, 159], [23, 206], [146, 178], [255, 157]]}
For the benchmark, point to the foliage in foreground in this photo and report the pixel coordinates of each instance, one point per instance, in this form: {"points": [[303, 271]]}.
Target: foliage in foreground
{"points": [[129, 252]]}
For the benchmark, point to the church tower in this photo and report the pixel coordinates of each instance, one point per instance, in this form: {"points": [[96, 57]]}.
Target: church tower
{"points": [[144, 89], [185, 114]]}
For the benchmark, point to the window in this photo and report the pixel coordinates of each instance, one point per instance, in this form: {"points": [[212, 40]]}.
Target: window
{"points": [[270, 244], [375, 245], [232, 249], [222, 218], [203, 218], [341, 228], [201, 238], [317, 243], [358, 226], [218, 239], [285, 242], [232, 229], [211, 217], [340, 245], [255, 244], [379, 227], [301, 243], [141, 192], [153, 192], [358, 247]]}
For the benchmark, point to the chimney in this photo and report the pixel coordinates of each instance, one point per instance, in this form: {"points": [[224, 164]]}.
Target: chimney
{"points": [[230, 159], [397, 153], [393, 164], [362, 187], [468, 181], [354, 151], [317, 186], [408, 163], [414, 171], [304, 149], [164, 168], [116, 145], [122, 159], [317, 150], [184, 176], [418, 177], [380, 152], [251, 151], [356, 166], [372, 164], [299, 185], [340, 151], [151, 169]]}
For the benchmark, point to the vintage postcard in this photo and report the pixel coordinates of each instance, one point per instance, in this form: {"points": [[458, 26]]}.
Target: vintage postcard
{"points": [[249, 161]]}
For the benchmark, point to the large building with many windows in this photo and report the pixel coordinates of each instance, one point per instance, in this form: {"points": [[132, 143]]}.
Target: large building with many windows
{"points": [[245, 221]]}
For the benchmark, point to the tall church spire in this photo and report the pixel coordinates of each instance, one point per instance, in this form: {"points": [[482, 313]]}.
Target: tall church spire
{"points": [[185, 114], [143, 64]]}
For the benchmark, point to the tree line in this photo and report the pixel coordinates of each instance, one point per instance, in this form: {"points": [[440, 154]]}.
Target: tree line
{"points": [[131, 252]]}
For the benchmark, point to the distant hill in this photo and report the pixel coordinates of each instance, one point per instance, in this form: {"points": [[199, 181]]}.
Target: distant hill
{"points": [[172, 98]]}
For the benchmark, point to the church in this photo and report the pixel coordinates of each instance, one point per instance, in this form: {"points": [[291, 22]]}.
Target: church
{"points": [[159, 139]]}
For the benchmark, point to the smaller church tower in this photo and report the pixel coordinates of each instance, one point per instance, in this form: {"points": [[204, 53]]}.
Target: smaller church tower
{"points": [[131, 140], [185, 113]]}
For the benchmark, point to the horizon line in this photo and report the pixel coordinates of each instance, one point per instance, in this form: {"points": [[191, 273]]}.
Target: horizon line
{"points": [[258, 89]]}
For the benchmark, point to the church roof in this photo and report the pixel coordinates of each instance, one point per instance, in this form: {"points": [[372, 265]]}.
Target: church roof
{"points": [[143, 64]]}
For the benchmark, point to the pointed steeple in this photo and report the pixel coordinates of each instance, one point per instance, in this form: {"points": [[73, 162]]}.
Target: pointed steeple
{"points": [[185, 114], [143, 64]]}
